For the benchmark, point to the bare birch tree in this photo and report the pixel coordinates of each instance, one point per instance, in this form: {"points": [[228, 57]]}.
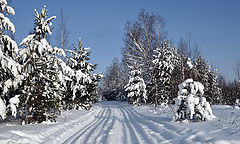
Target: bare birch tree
{"points": [[237, 71], [62, 32], [142, 36]]}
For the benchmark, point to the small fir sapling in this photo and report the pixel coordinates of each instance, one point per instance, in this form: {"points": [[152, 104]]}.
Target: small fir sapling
{"points": [[82, 89], [136, 88], [191, 103]]}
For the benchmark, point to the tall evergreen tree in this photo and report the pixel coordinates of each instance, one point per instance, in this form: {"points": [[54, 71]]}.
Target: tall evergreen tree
{"points": [[178, 73], [163, 67], [83, 88], [214, 90], [202, 69], [41, 93], [136, 87], [203, 73]]}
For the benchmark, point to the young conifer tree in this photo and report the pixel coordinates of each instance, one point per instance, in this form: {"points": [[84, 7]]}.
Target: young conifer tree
{"points": [[41, 92], [164, 60], [214, 90], [83, 86], [202, 72], [136, 87]]}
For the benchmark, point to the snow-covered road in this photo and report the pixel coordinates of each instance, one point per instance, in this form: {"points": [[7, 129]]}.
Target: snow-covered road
{"points": [[120, 123]]}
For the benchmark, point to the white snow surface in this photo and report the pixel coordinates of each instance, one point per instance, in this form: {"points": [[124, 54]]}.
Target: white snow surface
{"points": [[116, 122]]}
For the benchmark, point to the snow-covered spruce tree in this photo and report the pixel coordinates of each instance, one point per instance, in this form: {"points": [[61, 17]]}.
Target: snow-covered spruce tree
{"points": [[83, 88], [164, 60], [136, 88], [202, 72], [10, 69], [191, 103], [214, 92], [179, 73], [41, 88]]}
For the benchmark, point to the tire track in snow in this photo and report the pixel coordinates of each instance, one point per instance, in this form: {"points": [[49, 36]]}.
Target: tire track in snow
{"points": [[122, 124], [117, 131], [134, 136], [95, 133], [152, 119], [73, 138], [96, 127], [63, 128], [149, 132], [166, 130], [105, 131], [126, 134]]}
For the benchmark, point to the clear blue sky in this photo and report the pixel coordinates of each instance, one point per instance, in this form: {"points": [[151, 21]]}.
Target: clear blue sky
{"points": [[214, 25]]}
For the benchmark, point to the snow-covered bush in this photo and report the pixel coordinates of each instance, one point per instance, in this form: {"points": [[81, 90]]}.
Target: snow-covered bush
{"points": [[191, 103], [136, 88]]}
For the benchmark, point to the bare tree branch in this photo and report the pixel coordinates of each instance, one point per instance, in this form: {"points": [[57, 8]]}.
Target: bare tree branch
{"points": [[62, 32]]}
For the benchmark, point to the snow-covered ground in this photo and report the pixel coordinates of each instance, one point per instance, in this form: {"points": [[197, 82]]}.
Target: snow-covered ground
{"points": [[116, 122]]}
